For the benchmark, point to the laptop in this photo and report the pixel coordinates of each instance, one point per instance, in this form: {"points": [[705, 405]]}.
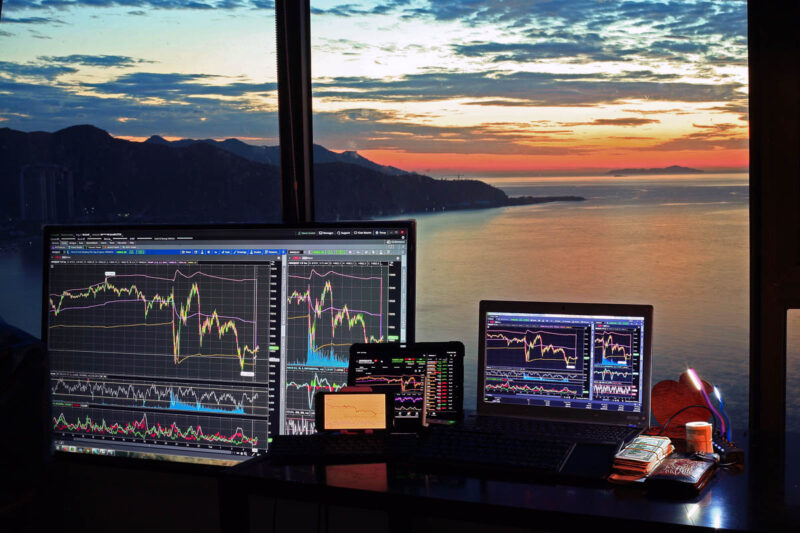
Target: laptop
{"points": [[566, 371]]}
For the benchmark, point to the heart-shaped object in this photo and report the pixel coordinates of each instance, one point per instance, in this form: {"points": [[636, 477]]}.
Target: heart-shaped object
{"points": [[671, 396]]}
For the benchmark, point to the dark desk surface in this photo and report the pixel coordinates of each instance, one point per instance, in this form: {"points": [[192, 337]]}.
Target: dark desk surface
{"points": [[733, 500]]}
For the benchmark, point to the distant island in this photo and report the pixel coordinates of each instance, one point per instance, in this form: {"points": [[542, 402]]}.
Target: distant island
{"points": [[674, 169], [83, 174]]}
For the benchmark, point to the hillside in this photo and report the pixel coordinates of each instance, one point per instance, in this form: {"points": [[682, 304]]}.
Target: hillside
{"points": [[114, 180]]}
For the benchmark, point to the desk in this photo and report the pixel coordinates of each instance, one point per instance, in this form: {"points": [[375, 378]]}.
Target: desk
{"points": [[399, 498]]}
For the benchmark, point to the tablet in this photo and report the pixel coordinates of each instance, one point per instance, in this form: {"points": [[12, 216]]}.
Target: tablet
{"points": [[424, 379]]}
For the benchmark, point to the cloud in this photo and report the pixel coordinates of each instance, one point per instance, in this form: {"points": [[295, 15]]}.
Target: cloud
{"points": [[723, 136], [533, 88], [95, 61], [32, 70], [29, 20], [681, 47], [144, 4], [350, 9], [179, 86], [585, 50], [392, 131], [49, 107], [673, 111], [614, 122]]}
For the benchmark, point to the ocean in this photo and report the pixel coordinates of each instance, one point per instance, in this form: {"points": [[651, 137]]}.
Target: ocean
{"points": [[679, 243]]}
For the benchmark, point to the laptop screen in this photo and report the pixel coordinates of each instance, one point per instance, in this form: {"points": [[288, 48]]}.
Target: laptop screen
{"points": [[583, 361]]}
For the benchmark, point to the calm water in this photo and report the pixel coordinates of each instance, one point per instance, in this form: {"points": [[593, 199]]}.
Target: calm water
{"points": [[680, 245], [676, 243]]}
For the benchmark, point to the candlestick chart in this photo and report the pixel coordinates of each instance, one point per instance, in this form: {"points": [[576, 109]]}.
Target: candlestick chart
{"points": [[158, 320], [330, 308]]}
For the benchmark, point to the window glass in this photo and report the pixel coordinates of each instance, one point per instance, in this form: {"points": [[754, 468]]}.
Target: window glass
{"points": [[116, 93], [554, 151]]}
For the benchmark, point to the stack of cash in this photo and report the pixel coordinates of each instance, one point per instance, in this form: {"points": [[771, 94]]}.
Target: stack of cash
{"points": [[640, 457]]}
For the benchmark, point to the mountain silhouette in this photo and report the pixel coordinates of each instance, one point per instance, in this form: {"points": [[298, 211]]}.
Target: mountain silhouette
{"points": [[271, 155], [89, 176]]}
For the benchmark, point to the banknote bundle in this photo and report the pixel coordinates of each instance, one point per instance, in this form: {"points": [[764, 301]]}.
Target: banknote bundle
{"points": [[640, 457]]}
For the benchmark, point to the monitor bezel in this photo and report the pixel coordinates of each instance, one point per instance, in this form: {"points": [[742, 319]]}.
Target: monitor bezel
{"points": [[409, 225], [641, 419]]}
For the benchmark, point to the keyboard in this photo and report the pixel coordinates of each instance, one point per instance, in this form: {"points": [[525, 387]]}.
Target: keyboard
{"points": [[337, 448], [550, 430], [475, 450]]}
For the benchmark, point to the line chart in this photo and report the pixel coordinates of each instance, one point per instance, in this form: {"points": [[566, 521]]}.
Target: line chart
{"points": [[159, 427], [535, 348], [613, 347], [616, 355], [414, 382], [300, 426], [508, 387], [614, 389], [301, 389], [330, 308], [158, 320], [200, 398]]}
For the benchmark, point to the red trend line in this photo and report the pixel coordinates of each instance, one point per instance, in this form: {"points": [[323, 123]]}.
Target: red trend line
{"points": [[143, 430]]}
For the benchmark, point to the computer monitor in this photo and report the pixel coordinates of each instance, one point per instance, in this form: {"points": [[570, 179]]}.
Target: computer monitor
{"points": [[197, 343], [570, 361]]}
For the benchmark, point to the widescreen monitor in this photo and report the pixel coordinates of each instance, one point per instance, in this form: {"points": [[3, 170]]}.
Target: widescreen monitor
{"points": [[198, 344]]}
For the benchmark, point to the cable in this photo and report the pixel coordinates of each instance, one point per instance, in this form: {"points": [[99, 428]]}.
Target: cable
{"points": [[664, 427]]}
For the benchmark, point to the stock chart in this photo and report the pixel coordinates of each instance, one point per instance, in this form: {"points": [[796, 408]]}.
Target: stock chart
{"points": [[330, 306], [162, 353]]}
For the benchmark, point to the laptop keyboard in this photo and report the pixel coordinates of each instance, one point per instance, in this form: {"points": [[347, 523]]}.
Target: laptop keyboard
{"points": [[469, 449], [551, 430]]}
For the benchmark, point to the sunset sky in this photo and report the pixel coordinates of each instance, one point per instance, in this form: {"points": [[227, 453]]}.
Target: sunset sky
{"points": [[477, 88]]}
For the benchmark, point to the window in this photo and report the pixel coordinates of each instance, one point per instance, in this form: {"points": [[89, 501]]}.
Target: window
{"points": [[564, 101], [121, 91]]}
